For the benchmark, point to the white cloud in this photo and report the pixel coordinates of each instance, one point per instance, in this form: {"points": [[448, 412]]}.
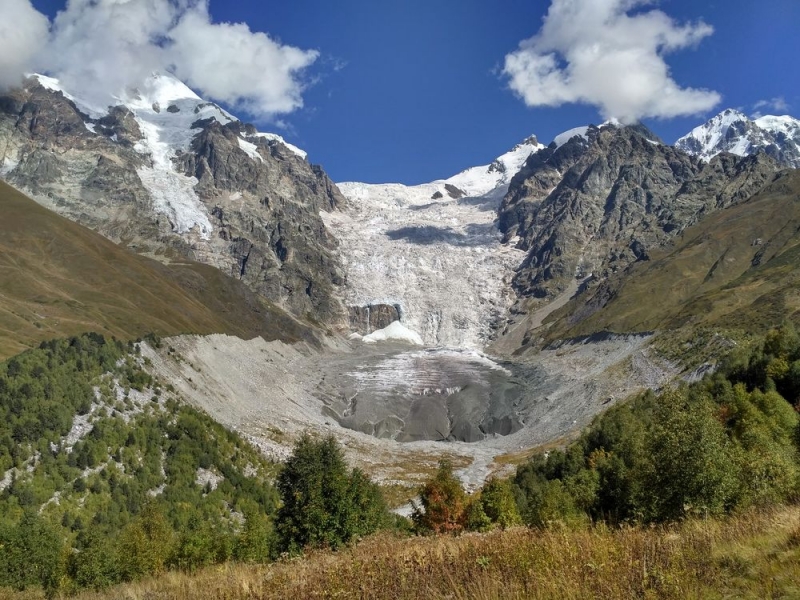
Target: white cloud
{"points": [[595, 52], [243, 68], [22, 30], [777, 105], [100, 47]]}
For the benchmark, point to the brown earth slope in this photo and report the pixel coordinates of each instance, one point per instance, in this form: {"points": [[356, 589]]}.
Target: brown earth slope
{"points": [[58, 278]]}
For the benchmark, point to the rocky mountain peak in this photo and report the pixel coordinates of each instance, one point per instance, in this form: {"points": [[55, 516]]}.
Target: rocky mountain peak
{"points": [[734, 132], [170, 173], [599, 199]]}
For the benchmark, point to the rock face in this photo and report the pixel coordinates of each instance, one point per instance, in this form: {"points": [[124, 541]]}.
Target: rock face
{"points": [[731, 131], [172, 176], [602, 199], [366, 319]]}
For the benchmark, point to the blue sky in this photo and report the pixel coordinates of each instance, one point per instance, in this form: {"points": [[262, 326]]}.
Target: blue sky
{"points": [[411, 91]]}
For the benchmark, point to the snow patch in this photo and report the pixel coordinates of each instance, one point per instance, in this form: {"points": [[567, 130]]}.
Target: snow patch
{"points": [[7, 165], [49, 83], [250, 149], [563, 138], [394, 331], [276, 138]]}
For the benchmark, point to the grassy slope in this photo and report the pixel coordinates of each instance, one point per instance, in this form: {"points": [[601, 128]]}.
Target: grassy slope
{"points": [[708, 277], [58, 278], [756, 555]]}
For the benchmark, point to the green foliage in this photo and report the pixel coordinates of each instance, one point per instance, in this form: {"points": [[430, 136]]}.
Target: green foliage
{"points": [[31, 554], [498, 503], [723, 444], [693, 465], [443, 503], [257, 539], [128, 499], [475, 518], [324, 505]]}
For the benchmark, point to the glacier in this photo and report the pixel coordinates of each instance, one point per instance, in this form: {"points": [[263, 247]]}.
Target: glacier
{"points": [[434, 249]]}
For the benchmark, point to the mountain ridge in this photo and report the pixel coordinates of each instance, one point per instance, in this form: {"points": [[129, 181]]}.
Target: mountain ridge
{"points": [[248, 206], [734, 132]]}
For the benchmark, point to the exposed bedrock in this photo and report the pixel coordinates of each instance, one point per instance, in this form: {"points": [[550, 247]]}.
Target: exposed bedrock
{"points": [[366, 319]]}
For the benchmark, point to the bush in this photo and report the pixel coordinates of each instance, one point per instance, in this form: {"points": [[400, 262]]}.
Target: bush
{"points": [[443, 507]]}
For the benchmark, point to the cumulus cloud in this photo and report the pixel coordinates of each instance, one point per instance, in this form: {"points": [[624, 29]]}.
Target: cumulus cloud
{"points": [[22, 30], [597, 52], [101, 47], [244, 69], [777, 105]]}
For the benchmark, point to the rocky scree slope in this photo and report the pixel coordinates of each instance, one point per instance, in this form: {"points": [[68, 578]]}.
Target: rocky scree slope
{"points": [[172, 176]]}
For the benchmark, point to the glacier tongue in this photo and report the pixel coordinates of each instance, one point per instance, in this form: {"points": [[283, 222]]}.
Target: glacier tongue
{"points": [[434, 249]]}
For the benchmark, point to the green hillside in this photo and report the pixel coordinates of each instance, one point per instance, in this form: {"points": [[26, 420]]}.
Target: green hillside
{"points": [[58, 278], [736, 269]]}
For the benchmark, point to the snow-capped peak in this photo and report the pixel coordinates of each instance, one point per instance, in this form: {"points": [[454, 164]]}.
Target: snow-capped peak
{"points": [[733, 131], [563, 138], [479, 181], [779, 125], [167, 112]]}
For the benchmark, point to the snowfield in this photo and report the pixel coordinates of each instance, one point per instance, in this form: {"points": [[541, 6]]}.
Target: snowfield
{"points": [[434, 249]]}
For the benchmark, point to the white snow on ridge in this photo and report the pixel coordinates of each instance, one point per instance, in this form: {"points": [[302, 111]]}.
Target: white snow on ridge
{"points": [[7, 165], [785, 124], [479, 181], [275, 137], [563, 138], [732, 131], [250, 149], [165, 109], [95, 112], [436, 255]]}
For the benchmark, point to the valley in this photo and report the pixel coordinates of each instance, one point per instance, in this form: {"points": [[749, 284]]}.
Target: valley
{"points": [[413, 322], [392, 301]]}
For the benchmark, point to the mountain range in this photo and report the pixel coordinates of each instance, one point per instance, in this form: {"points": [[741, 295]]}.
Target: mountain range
{"points": [[173, 177]]}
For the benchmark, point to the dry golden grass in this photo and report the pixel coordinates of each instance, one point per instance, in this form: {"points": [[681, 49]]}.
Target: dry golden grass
{"points": [[58, 279], [751, 556]]}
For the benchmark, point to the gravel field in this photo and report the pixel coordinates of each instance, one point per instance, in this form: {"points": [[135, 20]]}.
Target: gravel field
{"points": [[272, 392]]}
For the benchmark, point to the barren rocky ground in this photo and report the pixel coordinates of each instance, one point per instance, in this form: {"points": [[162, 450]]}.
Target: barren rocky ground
{"points": [[272, 392]]}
